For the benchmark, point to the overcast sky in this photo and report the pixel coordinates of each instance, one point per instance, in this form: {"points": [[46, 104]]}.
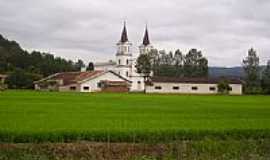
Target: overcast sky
{"points": [[89, 29]]}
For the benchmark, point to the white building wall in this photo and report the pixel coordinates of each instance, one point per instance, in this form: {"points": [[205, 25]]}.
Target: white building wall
{"points": [[93, 83], [137, 84], [186, 88], [105, 68], [67, 88], [123, 71], [237, 89]]}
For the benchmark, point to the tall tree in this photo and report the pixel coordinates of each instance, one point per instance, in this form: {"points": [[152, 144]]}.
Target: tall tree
{"points": [[154, 60], [79, 65], [90, 66], [252, 72], [178, 62], [195, 65], [143, 65], [266, 79]]}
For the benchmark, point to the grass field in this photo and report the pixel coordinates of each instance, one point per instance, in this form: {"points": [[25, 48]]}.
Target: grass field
{"points": [[28, 116]]}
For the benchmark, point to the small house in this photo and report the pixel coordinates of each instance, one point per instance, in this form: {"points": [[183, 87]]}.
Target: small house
{"points": [[90, 81]]}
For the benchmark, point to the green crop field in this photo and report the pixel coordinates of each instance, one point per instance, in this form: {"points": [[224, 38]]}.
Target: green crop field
{"points": [[28, 116]]}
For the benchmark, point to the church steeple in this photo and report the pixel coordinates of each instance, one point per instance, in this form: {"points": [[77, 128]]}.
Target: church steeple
{"points": [[146, 46], [146, 40], [124, 36]]}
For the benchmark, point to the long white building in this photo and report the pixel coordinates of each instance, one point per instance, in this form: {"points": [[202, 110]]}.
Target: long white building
{"points": [[185, 85]]}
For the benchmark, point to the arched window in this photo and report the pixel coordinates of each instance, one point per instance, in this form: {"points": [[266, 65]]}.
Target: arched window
{"points": [[119, 61], [127, 73], [127, 61]]}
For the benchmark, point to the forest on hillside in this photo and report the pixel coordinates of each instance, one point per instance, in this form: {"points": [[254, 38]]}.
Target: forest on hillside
{"points": [[24, 67]]}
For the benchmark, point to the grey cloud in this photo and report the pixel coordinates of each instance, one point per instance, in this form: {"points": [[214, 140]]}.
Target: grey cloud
{"points": [[224, 30]]}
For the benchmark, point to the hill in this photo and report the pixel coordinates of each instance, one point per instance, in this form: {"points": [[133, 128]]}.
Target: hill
{"points": [[25, 67], [222, 71]]}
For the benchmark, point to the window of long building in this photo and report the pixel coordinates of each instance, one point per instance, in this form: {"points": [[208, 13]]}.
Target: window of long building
{"points": [[72, 88], [158, 87], [176, 88], [194, 88], [212, 88]]}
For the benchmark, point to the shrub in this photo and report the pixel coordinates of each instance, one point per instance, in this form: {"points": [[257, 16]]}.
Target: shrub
{"points": [[19, 79], [224, 87]]}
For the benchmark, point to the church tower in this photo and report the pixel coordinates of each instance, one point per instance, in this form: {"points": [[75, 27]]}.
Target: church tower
{"points": [[124, 55], [146, 46]]}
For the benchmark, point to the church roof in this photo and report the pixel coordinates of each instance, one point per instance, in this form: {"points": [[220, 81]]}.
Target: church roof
{"points": [[124, 36], [146, 40]]}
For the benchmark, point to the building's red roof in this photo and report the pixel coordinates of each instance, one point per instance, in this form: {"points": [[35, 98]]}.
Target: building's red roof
{"points": [[73, 77], [77, 77], [86, 75], [203, 80]]}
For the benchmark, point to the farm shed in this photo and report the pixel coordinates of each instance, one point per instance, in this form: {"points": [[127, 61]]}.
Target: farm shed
{"points": [[191, 85], [91, 81]]}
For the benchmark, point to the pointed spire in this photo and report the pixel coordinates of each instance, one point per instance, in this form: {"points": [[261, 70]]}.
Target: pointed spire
{"points": [[124, 36], [146, 40]]}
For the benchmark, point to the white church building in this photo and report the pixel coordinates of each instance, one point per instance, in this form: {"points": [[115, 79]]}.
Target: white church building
{"points": [[125, 62]]}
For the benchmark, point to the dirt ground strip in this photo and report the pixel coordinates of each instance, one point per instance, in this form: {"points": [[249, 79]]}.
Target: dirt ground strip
{"points": [[185, 150]]}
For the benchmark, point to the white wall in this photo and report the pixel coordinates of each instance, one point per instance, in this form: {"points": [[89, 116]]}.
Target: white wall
{"points": [[93, 83], [186, 88], [67, 88], [105, 68], [236, 89], [136, 86], [123, 71]]}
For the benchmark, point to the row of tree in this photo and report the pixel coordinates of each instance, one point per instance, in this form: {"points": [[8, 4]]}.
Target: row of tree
{"points": [[23, 67], [176, 64], [256, 80], [194, 64]]}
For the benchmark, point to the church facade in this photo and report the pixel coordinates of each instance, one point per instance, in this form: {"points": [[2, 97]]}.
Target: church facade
{"points": [[124, 63]]}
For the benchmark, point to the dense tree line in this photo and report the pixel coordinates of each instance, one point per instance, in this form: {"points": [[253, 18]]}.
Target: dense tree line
{"points": [[176, 64], [256, 80], [23, 67]]}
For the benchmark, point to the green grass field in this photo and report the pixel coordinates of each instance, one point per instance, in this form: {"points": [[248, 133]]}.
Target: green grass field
{"points": [[28, 116]]}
